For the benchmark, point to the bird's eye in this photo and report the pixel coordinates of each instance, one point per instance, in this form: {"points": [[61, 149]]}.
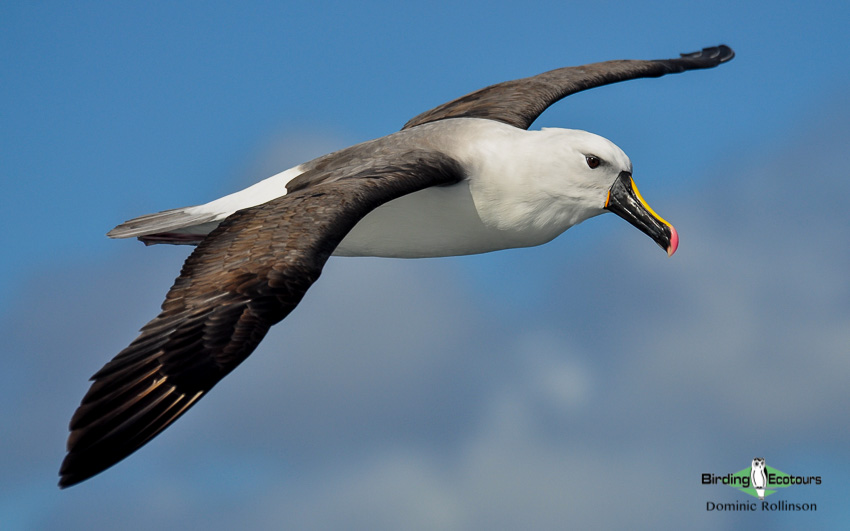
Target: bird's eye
{"points": [[592, 162]]}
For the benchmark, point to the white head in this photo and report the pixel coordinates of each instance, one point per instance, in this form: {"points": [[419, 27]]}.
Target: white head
{"points": [[556, 178], [578, 169], [550, 178]]}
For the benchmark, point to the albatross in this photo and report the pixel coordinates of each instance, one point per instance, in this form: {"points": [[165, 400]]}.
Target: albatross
{"points": [[465, 177]]}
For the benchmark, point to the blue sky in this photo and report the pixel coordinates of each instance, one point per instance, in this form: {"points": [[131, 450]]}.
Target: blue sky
{"points": [[508, 390]]}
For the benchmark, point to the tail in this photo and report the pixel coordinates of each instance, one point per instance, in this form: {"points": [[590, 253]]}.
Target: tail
{"points": [[187, 226], [190, 225]]}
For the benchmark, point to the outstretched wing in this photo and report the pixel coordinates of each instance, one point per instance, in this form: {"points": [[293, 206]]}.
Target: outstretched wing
{"points": [[521, 101], [244, 277]]}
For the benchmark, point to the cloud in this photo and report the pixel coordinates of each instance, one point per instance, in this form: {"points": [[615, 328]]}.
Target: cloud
{"points": [[419, 394]]}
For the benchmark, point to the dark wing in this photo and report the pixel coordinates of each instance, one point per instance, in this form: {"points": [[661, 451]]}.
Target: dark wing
{"points": [[521, 101], [244, 277]]}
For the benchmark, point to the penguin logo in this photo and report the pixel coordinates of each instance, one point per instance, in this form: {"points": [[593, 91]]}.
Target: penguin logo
{"points": [[758, 477]]}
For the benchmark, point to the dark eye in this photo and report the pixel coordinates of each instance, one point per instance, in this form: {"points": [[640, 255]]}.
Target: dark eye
{"points": [[592, 162]]}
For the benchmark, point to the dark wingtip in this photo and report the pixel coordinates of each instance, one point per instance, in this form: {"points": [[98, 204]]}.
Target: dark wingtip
{"points": [[68, 479], [68, 476], [713, 55], [705, 58]]}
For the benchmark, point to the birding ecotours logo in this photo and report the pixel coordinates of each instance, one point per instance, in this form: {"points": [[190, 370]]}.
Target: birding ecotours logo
{"points": [[759, 480]]}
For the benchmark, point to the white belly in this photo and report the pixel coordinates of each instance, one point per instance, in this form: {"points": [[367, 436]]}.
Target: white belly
{"points": [[438, 221]]}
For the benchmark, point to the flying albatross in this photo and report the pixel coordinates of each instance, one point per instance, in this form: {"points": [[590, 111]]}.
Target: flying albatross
{"points": [[465, 177]]}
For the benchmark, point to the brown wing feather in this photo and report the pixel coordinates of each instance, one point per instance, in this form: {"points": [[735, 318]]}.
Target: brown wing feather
{"points": [[521, 101], [244, 277]]}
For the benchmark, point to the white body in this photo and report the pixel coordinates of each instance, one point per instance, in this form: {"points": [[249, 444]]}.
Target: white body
{"points": [[523, 188]]}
